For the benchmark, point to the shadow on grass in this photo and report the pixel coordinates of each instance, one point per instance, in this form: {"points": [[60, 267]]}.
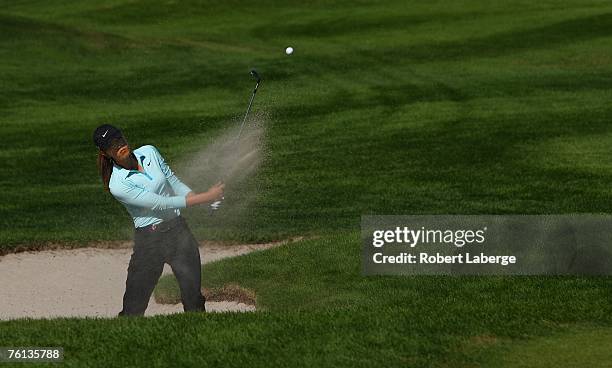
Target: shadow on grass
{"points": [[226, 293], [504, 43]]}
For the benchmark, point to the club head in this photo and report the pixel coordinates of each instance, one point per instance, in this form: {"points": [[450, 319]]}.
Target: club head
{"points": [[255, 75]]}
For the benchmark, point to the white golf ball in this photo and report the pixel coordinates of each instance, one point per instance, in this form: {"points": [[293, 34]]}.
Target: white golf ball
{"points": [[289, 50]]}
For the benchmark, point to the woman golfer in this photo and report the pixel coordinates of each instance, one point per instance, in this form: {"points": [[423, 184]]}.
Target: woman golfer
{"points": [[142, 181]]}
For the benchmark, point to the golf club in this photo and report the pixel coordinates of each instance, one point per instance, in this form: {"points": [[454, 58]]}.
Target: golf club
{"points": [[215, 205]]}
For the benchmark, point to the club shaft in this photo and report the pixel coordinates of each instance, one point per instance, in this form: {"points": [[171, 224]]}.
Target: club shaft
{"points": [[215, 205], [247, 112]]}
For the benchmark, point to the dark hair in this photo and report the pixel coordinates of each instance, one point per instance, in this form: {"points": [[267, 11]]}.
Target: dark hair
{"points": [[105, 168]]}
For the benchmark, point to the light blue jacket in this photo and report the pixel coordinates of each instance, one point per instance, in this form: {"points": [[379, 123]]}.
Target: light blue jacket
{"points": [[150, 197]]}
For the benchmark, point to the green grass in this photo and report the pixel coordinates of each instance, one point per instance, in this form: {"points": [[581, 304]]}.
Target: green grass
{"points": [[394, 107], [583, 346], [577, 347], [316, 310], [454, 107]]}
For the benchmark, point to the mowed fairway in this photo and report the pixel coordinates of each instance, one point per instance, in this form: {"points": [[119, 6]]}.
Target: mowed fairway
{"points": [[453, 107]]}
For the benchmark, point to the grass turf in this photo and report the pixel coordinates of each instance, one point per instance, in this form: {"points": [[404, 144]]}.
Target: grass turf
{"points": [[577, 347], [316, 310], [455, 107], [396, 108]]}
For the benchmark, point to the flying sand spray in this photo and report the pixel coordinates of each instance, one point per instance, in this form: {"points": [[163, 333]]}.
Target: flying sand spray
{"points": [[215, 205]]}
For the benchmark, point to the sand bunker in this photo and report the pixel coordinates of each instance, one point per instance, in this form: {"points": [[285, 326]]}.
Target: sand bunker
{"points": [[89, 282]]}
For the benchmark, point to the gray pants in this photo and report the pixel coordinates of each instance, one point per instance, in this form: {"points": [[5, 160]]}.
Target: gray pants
{"points": [[169, 242]]}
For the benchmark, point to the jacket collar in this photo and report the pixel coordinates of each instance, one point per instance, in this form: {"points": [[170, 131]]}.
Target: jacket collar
{"points": [[139, 156]]}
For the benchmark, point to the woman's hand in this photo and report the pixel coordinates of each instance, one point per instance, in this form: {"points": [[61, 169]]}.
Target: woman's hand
{"points": [[214, 193], [217, 191]]}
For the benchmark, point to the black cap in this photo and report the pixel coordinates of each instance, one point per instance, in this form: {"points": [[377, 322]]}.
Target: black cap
{"points": [[104, 134]]}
